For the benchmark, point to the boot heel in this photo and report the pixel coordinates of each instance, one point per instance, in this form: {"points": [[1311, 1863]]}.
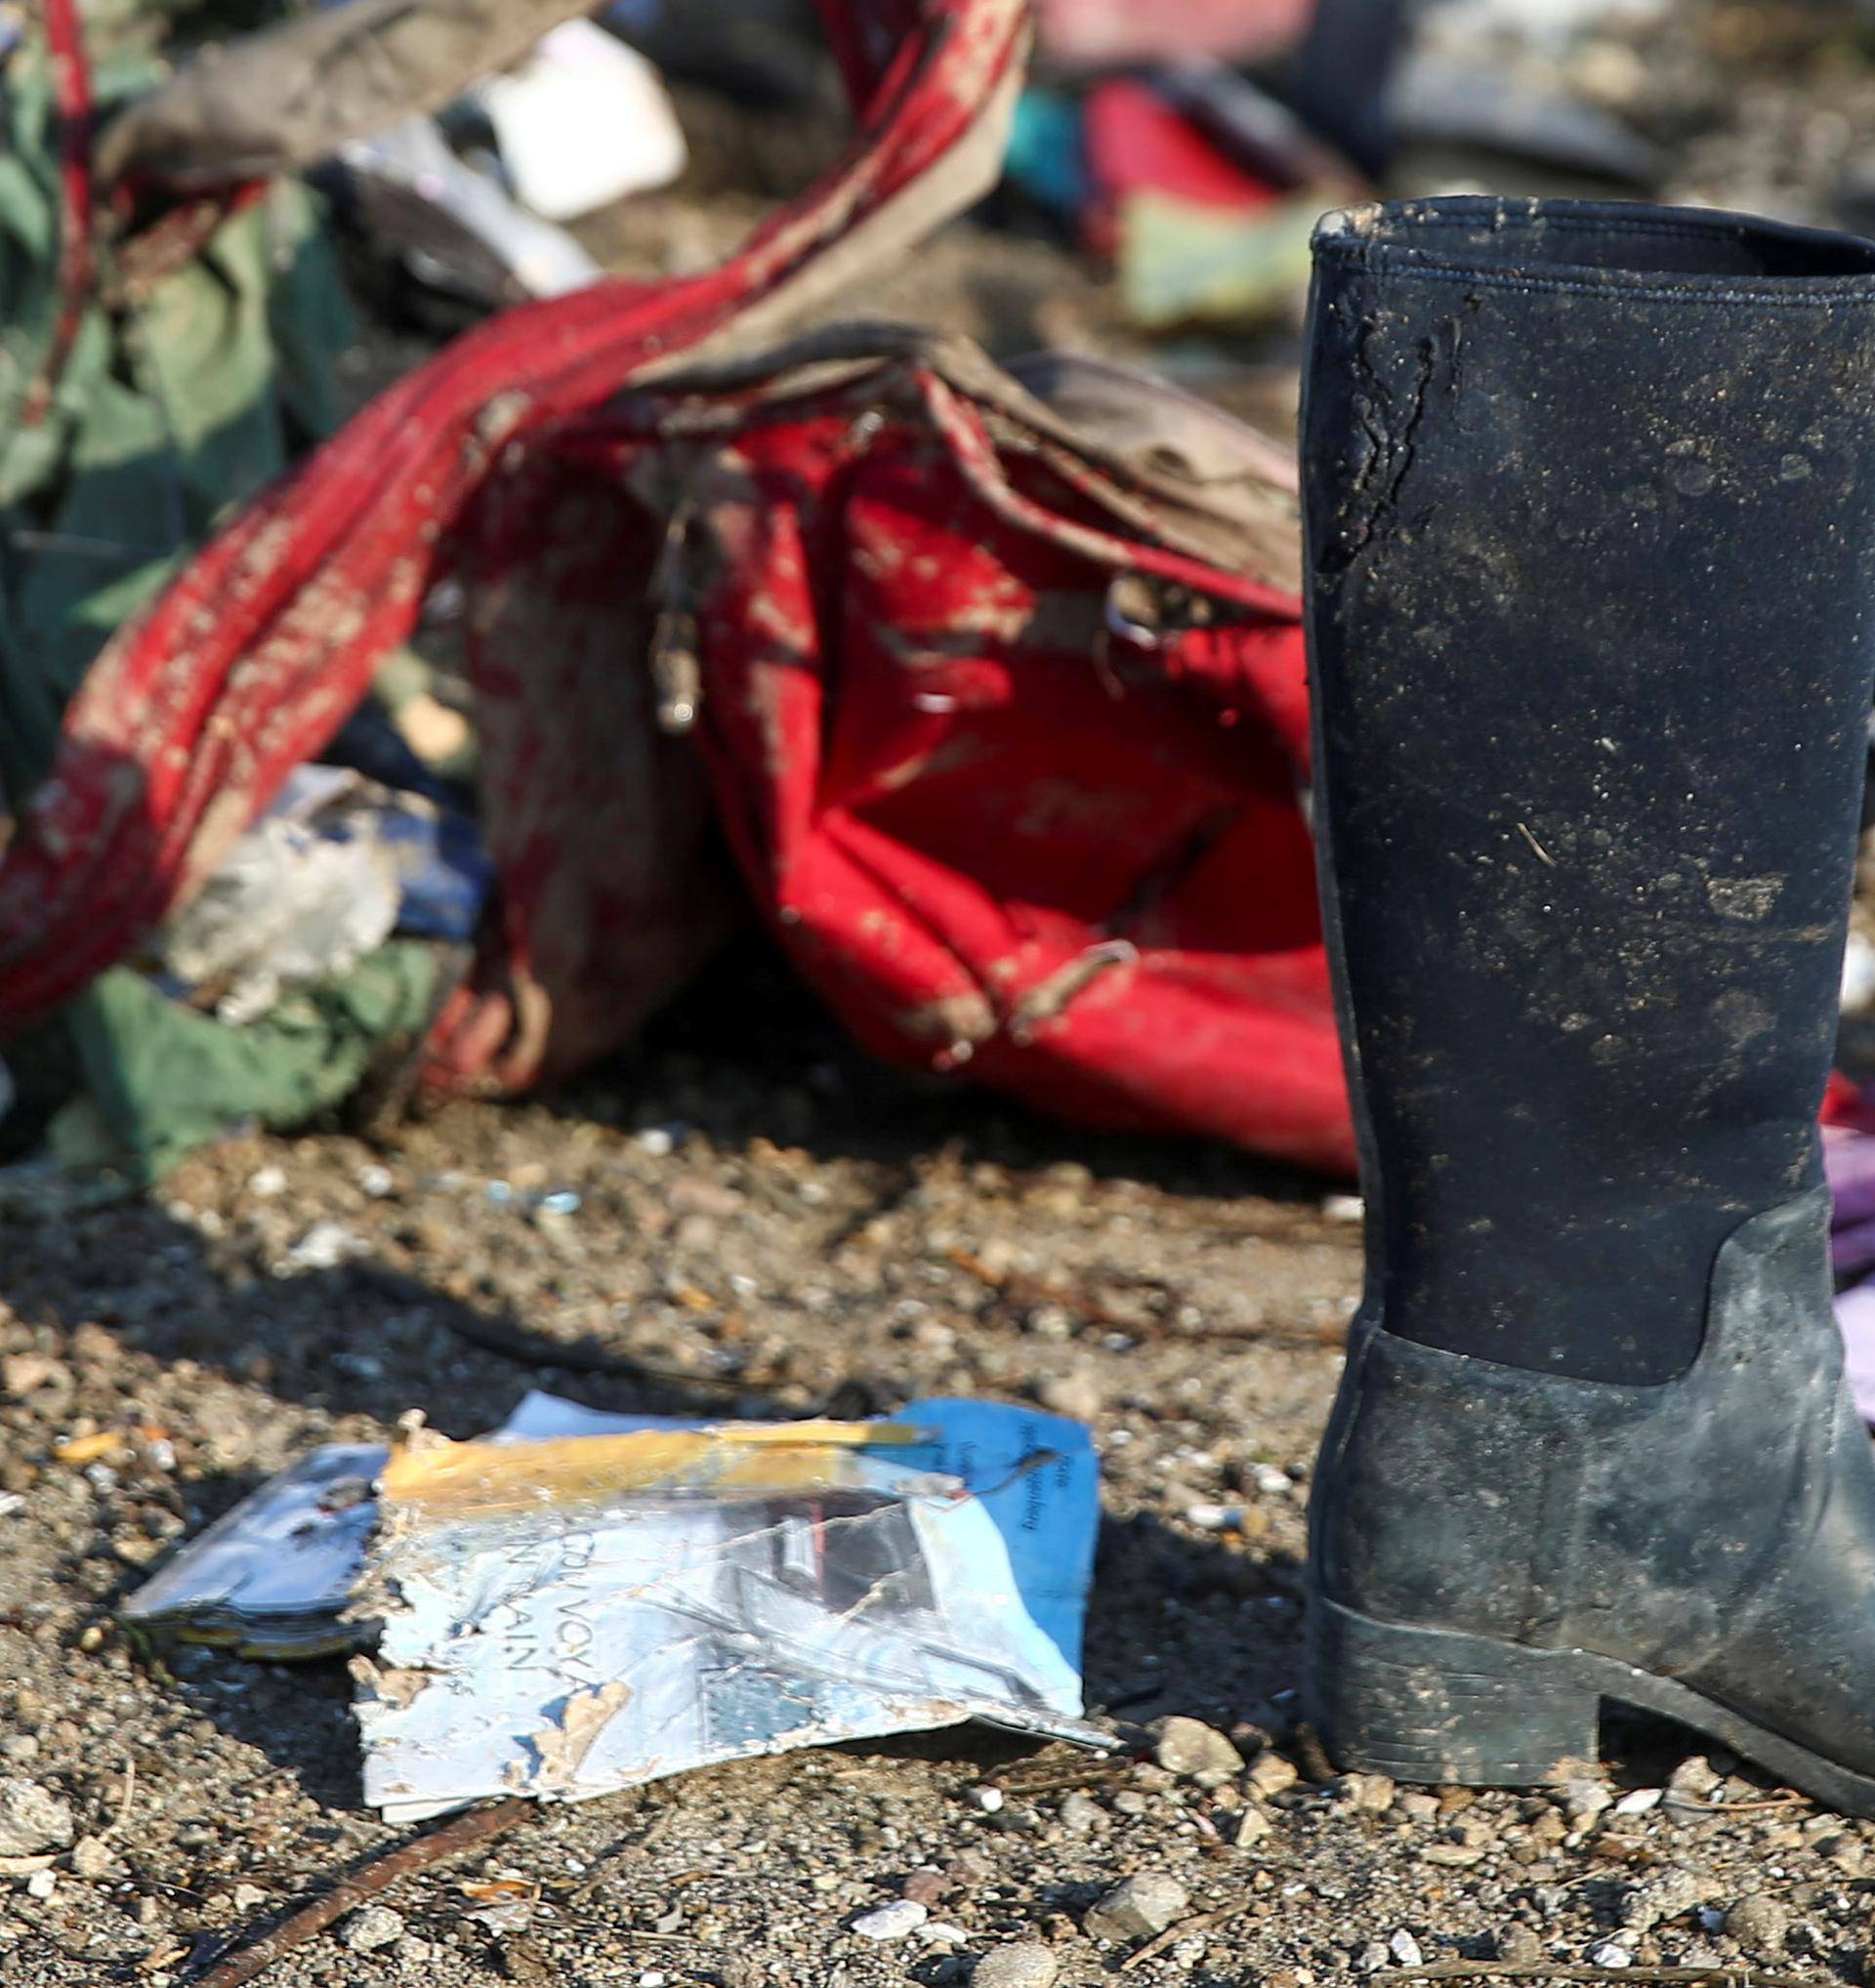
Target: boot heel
{"points": [[1432, 1704]]}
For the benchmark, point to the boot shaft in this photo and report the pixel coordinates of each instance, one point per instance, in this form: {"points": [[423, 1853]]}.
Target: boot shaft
{"points": [[1591, 536]]}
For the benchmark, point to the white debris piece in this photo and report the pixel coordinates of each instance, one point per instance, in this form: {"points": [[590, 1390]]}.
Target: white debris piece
{"points": [[893, 1922]]}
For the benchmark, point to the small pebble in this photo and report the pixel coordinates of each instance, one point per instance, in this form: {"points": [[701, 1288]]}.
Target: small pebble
{"points": [[1640, 1802], [1076, 1393], [1608, 1955], [986, 1798], [42, 1884], [1405, 1949], [1759, 1924], [32, 1819], [1209, 1517], [376, 1181], [372, 1926], [926, 1885], [891, 1921], [1023, 1964], [1272, 1774], [91, 1858], [1197, 1752], [1693, 1779], [1520, 1947], [267, 1182], [1582, 1800], [1082, 1815], [1253, 1825], [248, 1898], [1144, 1905]]}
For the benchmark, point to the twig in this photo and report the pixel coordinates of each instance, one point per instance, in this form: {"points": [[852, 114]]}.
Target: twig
{"points": [[1758, 1803], [123, 1807], [1205, 1922], [1539, 1970], [478, 1826], [1017, 1287]]}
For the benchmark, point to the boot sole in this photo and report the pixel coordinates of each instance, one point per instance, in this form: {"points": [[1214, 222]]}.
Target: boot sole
{"points": [[1432, 1705]]}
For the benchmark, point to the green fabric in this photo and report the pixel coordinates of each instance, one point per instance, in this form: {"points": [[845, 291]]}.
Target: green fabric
{"points": [[168, 416], [170, 413], [163, 1079]]}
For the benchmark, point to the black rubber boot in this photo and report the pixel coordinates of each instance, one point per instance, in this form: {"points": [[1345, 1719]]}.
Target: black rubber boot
{"points": [[1591, 542]]}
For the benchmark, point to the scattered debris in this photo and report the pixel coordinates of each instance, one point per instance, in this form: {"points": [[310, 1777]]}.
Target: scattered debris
{"points": [[629, 1598]]}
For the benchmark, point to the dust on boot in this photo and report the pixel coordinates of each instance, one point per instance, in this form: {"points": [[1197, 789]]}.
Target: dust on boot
{"points": [[1591, 542]]}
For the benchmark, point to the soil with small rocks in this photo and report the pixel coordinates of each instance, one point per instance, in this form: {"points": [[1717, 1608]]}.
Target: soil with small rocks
{"points": [[745, 1215]]}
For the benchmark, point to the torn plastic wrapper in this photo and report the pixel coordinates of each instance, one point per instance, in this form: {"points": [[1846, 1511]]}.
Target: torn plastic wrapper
{"points": [[272, 1577], [829, 1592], [588, 1601]]}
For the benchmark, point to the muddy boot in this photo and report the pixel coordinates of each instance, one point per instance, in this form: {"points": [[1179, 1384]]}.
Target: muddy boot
{"points": [[1591, 523]]}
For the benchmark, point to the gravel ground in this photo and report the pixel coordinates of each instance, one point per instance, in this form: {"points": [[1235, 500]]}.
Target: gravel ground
{"points": [[774, 1225]]}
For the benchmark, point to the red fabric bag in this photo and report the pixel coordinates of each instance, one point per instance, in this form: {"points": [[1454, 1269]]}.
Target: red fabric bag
{"points": [[1005, 716]]}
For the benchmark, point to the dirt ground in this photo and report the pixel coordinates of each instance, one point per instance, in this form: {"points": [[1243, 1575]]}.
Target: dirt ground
{"points": [[769, 1223]]}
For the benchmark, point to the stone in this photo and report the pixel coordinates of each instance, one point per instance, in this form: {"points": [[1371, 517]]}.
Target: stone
{"points": [[926, 1886], [1640, 1803], [1142, 1907], [1584, 1800], [1023, 1963], [1372, 1794], [1609, 1955], [248, 1898], [1271, 1775], [372, 1926], [1693, 1779], [91, 1858], [1252, 1827], [893, 1922], [42, 1884], [1197, 1752], [1672, 1895], [1405, 1949], [1520, 1947], [32, 1819], [1759, 1924], [1081, 1814]]}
